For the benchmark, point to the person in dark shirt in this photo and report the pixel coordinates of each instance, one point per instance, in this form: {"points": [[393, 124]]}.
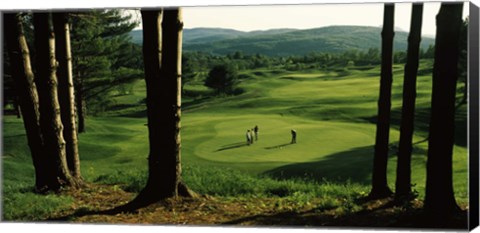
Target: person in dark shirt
{"points": [[294, 136]]}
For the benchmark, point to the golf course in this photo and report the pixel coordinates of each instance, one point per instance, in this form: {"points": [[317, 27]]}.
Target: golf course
{"points": [[332, 110]]}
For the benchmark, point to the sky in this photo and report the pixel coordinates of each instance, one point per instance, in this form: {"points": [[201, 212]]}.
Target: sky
{"points": [[248, 18]]}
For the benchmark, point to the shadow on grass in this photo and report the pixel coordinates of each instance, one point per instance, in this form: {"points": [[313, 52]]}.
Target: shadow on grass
{"points": [[278, 146], [80, 213], [354, 165], [385, 215], [129, 208], [136, 114], [232, 146], [244, 144], [422, 122]]}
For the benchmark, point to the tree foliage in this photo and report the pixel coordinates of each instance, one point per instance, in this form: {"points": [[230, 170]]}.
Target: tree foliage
{"points": [[103, 56], [222, 78]]}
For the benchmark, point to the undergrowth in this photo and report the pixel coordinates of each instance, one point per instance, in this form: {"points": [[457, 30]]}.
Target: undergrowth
{"points": [[233, 184]]}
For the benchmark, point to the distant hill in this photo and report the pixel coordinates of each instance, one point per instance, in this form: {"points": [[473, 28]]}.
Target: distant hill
{"points": [[285, 42], [209, 35], [198, 35]]}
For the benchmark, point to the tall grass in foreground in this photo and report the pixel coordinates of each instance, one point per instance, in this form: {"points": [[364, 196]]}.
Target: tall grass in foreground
{"points": [[230, 183], [20, 203]]}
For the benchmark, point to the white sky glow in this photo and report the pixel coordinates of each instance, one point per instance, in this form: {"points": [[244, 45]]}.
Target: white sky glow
{"points": [[249, 18]]}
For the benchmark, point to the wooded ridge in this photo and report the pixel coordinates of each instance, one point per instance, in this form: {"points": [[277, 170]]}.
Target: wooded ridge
{"points": [[287, 42]]}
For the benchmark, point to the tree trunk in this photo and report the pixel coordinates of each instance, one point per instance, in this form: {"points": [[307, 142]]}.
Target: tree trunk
{"points": [[163, 79], [27, 93], [439, 195], [66, 92], [403, 182], [81, 106], [380, 187], [50, 120], [171, 100], [16, 106], [152, 55]]}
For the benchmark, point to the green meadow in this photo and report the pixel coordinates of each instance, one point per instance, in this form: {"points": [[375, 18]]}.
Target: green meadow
{"points": [[332, 110]]}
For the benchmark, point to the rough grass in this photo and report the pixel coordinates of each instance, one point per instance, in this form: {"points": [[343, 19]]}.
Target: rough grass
{"points": [[19, 202], [229, 182]]}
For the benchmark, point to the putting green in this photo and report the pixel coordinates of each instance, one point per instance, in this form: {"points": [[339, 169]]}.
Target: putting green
{"points": [[227, 141]]}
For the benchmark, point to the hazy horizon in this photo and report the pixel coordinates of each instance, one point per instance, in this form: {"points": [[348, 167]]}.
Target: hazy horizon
{"points": [[285, 28], [305, 16]]}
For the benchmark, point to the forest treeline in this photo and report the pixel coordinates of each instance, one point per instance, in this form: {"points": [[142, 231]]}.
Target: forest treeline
{"points": [[313, 60], [104, 59]]}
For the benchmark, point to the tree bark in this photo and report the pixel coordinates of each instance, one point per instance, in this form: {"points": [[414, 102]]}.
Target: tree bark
{"points": [[66, 92], [380, 187], [27, 93], [50, 121], [439, 196], [403, 181]]}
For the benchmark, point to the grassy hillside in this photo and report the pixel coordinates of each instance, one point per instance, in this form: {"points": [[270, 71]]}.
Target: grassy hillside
{"points": [[333, 112], [286, 42]]}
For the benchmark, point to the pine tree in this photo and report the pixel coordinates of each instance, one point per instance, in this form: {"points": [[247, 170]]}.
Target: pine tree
{"points": [[102, 58]]}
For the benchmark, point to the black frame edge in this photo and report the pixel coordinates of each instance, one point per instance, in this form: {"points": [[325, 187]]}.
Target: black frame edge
{"points": [[473, 71]]}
